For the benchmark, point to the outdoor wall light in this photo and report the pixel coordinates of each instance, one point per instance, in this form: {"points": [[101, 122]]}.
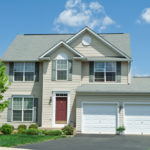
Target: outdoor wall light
{"points": [[50, 100]]}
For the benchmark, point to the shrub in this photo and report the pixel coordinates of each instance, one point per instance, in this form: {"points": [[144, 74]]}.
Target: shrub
{"points": [[67, 130], [52, 132], [120, 129], [12, 127], [7, 129], [22, 126], [33, 126], [22, 131], [32, 131]]}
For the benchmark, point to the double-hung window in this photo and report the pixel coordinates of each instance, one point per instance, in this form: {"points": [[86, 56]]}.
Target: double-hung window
{"points": [[24, 71], [105, 71], [62, 70], [23, 109]]}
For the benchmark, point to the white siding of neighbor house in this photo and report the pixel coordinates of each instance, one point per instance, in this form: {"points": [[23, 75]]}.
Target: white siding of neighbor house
{"points": [[108, 98], [23, 88]]}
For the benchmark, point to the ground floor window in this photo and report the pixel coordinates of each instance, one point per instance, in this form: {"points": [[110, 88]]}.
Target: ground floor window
{"points": [[23, 108]]}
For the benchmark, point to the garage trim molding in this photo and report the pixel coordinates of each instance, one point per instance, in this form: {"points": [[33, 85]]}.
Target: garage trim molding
{"points": [[123, 110], [96, 102]]}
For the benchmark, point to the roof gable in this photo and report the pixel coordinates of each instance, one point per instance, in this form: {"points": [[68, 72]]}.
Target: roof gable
{"points": [[115, 49], [57, 46]]}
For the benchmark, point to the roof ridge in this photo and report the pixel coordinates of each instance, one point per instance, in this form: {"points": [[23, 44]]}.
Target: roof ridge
{"points": [[51, 34], [64, 33]]}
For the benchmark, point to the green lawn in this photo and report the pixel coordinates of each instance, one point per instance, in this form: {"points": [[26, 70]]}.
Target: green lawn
{"points": [[14, 140]]}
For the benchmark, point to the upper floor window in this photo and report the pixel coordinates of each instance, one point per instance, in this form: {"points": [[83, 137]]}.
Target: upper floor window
{"points": [[61, 66], [105, 71], [24, 71]]}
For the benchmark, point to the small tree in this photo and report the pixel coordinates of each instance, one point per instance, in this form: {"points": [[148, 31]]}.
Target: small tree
{"points": [[4, 84]]}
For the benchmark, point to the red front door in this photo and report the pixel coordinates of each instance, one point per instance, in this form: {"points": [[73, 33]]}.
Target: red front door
{"points": [[61, 110]]}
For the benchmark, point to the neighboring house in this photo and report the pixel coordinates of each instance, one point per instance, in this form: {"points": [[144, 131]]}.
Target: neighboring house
{"points": [[81, 79]]}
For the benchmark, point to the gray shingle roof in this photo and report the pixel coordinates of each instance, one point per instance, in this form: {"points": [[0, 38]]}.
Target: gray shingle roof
{"points": [[30, 47], [138, 85], [101, 59]]}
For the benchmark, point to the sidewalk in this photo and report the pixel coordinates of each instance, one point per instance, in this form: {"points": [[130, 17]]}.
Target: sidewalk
{"points": [[6, 148]]}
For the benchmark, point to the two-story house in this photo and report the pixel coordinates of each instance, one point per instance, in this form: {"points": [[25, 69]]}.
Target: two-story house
{"points": [[81, 79]]}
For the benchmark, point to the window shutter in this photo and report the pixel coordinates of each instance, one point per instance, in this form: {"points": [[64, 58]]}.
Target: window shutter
{"points": [[91, 71], [118, 71], [35, 119], [9, 111], [37, 71], [11, 69], [70, 70], [53, 70]]}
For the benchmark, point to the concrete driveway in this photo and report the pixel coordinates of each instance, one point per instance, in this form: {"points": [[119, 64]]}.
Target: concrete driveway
{"points": [[94, 142]]}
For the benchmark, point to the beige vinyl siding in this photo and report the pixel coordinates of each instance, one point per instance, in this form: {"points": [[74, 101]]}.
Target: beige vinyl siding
{"points": [[101, 98], [85, 74], [50, 86], [62, 49], [96, 48], [23, 88]]}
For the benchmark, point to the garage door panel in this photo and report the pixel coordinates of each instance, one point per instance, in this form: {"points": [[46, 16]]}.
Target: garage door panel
{"points": [[99, 118], [137, 118]]}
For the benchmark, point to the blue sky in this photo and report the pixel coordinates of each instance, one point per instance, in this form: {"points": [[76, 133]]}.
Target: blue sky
{"points": [[58, 16]]}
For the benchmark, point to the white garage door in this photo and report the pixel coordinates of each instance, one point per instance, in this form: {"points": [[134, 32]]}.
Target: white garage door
{"points": [[137, 118], [99, 118]]}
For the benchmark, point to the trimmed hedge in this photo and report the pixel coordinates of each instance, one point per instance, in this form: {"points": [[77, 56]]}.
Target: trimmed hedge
{"points": [[52, 132], [33, 126], [22, 126], [22, 131], [32, 131]]}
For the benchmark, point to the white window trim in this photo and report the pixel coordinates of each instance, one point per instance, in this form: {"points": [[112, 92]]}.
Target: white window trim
{"points": [[96, 102], [62, 69], [105, 72], [23, 73], [54, 125], [22, 108]]}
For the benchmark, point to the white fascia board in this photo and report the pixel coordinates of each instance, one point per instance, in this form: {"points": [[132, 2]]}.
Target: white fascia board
{"points": [[57, 45], [100, 38]]}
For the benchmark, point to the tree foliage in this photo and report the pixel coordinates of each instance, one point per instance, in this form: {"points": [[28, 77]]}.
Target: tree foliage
{"points": [[4, 84]]}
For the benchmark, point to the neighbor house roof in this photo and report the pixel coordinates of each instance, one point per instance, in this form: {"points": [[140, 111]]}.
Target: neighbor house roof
{"points": [[133, 88], [31, 47]]}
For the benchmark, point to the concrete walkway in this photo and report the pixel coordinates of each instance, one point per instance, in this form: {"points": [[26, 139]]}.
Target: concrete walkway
{"points": [[6, 148]]}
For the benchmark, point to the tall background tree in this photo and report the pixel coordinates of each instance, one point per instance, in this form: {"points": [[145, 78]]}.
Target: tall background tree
{"points": [[4, 84]]}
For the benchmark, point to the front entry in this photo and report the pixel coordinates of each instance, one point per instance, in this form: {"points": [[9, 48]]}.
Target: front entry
{"points": [[61, 110]]}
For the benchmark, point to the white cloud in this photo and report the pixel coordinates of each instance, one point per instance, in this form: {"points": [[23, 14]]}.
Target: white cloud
{"points": [[73, 18], [106, 21], [79, 14], [96, 6], [72, 3], [145, 16]]}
